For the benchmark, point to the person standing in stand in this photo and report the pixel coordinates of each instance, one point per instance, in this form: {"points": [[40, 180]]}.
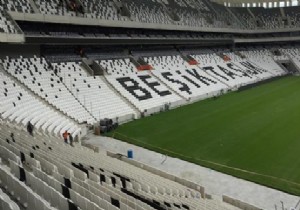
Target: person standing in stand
{"points": [[70, 139], [30, 128], [65, 136]]}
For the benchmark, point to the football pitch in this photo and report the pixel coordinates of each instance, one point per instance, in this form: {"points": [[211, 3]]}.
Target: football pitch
{"points": [[252, 134]]}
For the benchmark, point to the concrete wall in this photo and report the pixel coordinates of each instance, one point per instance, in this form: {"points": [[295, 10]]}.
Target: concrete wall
{"points": [[12, 38], [239, 204], [18, 49], [263, 40]]}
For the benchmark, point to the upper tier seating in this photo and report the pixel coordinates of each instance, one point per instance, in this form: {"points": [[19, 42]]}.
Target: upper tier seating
{"points": [[200, 5], [17, 5], [54, 7], [190, 15], [244, 17], [102, 9], [38, 76], [294, 14], [6, 25], [268, 18], [18, 106], [94, 93], [149, 11], [223, 18], [58, 176], [200, 13]]}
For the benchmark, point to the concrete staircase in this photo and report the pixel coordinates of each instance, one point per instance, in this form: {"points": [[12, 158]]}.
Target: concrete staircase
{"points": [[86, 65], [87, 69], [122, 9], [233, 15], [34, 7], [293, 66], [248, 9], [75, 97], [80, 10], [284, 20], [257, 21], [282, 12], [93, 68], [170, 11]]}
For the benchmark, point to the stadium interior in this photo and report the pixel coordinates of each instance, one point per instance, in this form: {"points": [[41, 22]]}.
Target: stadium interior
{"points": [[90, 66]]}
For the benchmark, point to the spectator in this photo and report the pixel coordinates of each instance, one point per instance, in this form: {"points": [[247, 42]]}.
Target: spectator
{"points": [[55, 71], [80, 9], [65, 136], [30, 128], [70, 139], [12, 135]]}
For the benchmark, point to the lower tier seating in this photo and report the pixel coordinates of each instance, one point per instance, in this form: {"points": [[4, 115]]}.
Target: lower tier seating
{"points": [[261, 66], [146, 92], [122, 93], [174, 62], [192, 84], [18, 106], [44, 173], [40, 78], [93, 92], [264, 59], [292, 53], [118, 66]]}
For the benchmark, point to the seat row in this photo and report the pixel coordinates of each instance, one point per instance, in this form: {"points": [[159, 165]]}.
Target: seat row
{"points": [[7, 203]]}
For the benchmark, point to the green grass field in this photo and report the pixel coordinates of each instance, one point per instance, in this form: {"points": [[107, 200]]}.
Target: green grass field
{"points": [[253, 134]]}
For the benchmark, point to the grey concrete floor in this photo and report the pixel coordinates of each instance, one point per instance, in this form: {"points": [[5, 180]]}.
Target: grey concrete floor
{"points": [[215, 183]]}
